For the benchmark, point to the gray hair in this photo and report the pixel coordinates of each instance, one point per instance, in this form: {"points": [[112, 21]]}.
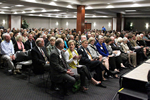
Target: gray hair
{"points": [[5, 34], [18, 36], [52, 39], [100, 37], [125, 39], [91, 39], [39, 40], [58, 42]]}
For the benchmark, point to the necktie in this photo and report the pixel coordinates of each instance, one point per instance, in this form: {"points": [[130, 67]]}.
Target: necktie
{"points": [[88, 53], [31, 44], [44, 55], [63, 60]]}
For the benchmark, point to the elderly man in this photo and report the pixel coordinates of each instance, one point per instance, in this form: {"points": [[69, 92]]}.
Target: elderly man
{"points": [[7, 51], [30, 43], [39, 57], [60, 70]]}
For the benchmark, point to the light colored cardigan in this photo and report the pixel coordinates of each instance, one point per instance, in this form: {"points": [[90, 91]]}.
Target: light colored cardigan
{"points": [[93, 52]]}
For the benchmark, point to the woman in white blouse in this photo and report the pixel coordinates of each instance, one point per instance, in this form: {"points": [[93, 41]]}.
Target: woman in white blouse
{"points": [[72, 59], [131, 54]]}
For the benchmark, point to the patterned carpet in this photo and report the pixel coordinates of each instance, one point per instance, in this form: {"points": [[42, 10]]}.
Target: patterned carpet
{"points": [[17, 88]]}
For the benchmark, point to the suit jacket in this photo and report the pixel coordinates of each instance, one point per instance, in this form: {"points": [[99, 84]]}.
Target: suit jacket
{"points": [[84, 59], [38, 60], [130, 45], [57, 67], [117, 47], [27, 44], [13, 40], [102, 50]]}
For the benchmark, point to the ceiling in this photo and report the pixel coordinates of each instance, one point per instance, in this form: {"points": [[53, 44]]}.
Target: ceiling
{"points": [[68, 8]]}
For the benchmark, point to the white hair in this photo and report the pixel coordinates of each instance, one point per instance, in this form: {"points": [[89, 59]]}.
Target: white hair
{"points": [[120, 39], [100, 37], [125, 39]]}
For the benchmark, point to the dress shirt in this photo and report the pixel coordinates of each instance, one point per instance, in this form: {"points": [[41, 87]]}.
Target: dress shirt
{"points": [[7, 48], [87, 54], [70, 60], [30, 44]]}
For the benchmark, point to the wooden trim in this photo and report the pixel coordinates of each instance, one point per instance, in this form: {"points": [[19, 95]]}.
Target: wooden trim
{"points": [[9, 19]]}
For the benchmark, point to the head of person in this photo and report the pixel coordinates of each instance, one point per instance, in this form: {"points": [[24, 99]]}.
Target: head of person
{"points": [[130, 37], [6, 37], [30, 37], [108, 41], [71, 37], [125, 40], [113, 39], [83, 37], [52, 41], [79, 32], [84, 43], [100, 39], [77, 38], [19, 38], [93, 35], [11, 34], [91, 40], [71, 45], [49, 36], [119, 40], [138, 37], [89, 35], [59, 43], [40, 42], [141, 35]]}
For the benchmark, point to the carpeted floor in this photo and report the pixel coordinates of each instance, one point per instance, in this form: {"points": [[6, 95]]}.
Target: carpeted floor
{"points": [[16, 88]]}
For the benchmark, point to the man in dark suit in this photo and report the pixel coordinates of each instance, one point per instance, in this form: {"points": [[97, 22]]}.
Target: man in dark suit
{"points": [[91, 64], [30, 43], [139, 51], [39, 57], [60, 72]]}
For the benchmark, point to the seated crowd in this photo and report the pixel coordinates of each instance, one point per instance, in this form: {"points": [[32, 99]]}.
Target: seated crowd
{"points": [[71, 56]]}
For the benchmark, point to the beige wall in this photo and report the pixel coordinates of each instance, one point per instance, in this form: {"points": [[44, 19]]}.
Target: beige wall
{"points": [[4, 18]]}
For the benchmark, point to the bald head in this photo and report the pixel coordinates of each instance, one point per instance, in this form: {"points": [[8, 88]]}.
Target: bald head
{"points": [[40, 42]]}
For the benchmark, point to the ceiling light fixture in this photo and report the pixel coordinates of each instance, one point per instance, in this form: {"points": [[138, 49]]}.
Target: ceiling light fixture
{"points": [[74, 16], [43, 10], [52, 3], [57, 16], [93, 16], [0, 3], [40, 15], [135, 5], [104, 16], [33, 11], [69, 6], [2, 12], [110, 6], [5, 7], [130, 10], [23, 12], [88, 7], [56, 10], [31, 0], [19, 5], [15, 12]]}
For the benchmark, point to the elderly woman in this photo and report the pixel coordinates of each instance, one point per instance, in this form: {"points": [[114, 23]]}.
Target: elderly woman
{"points": [[24, 37], [114, 56], [72, 58], [19, 46], [131, 54], [51, 46], [95, 54]]}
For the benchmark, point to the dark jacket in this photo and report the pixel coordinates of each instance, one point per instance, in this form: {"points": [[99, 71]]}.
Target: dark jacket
{"points": [[57, 68], [16, 47], [27, 44], [38, 60]]}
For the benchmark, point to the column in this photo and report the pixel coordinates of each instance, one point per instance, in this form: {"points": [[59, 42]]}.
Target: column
{"points": [[80, 18], [119, 21]]}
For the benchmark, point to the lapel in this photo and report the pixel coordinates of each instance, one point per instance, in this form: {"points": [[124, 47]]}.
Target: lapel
{"points": [[101, 46], [84, 52], [39, 52]]}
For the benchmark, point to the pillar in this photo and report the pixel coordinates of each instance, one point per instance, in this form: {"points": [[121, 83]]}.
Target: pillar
{"points": [[80, 18], [119, 21]]}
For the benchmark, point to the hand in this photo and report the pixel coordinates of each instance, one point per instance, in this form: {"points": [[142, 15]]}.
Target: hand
{"points": [[79, 57], [23, 50], [131, 51], [47, 62], [70, 73], [141, 46], [13, 57], [109, 55], [92, 59], [74, 57]]}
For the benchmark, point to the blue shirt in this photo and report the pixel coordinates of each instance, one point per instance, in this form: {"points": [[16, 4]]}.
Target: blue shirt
{"points": [[7, 48], [103, 29]]}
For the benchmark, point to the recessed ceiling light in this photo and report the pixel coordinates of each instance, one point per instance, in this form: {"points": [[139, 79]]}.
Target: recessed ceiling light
{"points": [[135, 5], [23, 12], [49, 15], [88, 7], [15, 12], [93, 16], [74, 16], [52, 3], [66, 16], [69, 6], [40, 15], [43, 10], [0, 3], [110, 6], [30, 14], [5, 7], [32, 11], [55, 0], [2, 12], [57, 16], [104, 16], [130, 10], [56, 10], [31, 0], [19, 5]]}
